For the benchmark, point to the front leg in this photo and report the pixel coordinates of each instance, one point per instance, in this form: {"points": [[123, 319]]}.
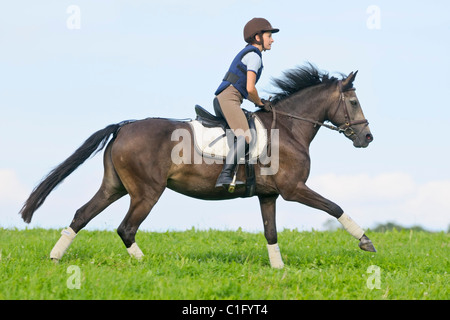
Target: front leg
{"points": [[305, 195], [270, 230]]}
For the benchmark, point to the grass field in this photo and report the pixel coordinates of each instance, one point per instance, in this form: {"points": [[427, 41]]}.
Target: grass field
{"points": [[225, 265]]}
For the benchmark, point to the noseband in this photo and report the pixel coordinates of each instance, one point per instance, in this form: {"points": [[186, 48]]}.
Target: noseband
{"points": [[345, 128]]}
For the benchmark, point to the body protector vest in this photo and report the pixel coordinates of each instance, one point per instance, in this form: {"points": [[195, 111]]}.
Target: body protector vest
{"points": [[237, 73]]}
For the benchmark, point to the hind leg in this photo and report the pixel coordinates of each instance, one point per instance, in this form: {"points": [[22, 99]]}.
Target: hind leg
{"points": [[110, 191], [83, 215], [142, 158], [102, 199], [139, 209]]}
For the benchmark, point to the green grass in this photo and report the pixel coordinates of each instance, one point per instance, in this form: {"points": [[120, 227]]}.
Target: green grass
{"points": [[225, 265]]}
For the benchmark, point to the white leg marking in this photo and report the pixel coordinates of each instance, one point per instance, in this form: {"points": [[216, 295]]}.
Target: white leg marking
{"points": [[67, 236], [135, 252], [275, 256], [351, 226]]}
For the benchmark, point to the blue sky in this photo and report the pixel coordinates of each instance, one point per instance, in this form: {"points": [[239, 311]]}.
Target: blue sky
{"points": [[138, 59]]}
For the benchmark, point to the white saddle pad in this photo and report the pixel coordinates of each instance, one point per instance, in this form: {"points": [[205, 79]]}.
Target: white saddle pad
{"points": [[212, 142]]}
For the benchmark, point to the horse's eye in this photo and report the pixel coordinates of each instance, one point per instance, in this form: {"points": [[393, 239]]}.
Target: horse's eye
{"points": [[353, 102]]}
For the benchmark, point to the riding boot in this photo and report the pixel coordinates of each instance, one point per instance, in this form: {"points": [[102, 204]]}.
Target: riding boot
{"points": [[226, 176]]}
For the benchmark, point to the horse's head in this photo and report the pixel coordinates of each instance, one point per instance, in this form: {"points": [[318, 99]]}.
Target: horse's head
{"points": [[295, 101], [348, 115]]}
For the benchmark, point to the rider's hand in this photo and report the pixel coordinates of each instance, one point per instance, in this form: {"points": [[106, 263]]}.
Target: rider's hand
{"points": [[266, 105]]}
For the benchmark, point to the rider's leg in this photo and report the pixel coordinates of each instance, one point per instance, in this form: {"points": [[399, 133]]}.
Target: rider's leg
{"points": [[229, 105], [230, 101], [236, 152]]}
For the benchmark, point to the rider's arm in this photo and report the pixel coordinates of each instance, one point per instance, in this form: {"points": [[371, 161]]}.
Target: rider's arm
{"points": [[251, 88]]}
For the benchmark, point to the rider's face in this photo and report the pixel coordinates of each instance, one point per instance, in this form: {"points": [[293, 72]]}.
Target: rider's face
{"points": [[268, 40]]}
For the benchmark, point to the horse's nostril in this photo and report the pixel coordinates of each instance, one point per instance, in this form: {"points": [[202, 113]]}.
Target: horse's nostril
{"points": [[369, 137]]}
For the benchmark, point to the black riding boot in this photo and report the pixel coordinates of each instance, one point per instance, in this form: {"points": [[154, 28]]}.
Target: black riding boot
{"points": [[226, 176]]}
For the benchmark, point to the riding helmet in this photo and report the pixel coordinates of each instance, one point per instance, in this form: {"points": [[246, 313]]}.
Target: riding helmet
{"points": [[257, 26]]}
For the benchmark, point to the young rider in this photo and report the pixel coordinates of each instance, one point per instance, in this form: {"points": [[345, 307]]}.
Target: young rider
{"points": [[239, 83]]}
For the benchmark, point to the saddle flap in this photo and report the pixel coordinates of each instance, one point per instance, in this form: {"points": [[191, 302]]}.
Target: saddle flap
{"points": [[212, 141]]}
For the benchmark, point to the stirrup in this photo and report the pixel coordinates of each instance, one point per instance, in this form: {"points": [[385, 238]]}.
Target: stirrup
{"points": [[234, 183], [230, 186]]}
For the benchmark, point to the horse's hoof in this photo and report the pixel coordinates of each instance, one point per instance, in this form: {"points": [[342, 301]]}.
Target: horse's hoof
{"points": [[366, 244]]}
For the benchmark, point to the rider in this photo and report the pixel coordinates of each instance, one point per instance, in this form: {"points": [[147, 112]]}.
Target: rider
{"points": [[239, 83]]}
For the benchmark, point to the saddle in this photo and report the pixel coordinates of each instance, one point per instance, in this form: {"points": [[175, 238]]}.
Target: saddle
{"points": [[211, 140], [209, 120]]}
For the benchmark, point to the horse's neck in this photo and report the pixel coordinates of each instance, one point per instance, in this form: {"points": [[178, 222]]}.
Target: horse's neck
{"points": [[312, 104]]}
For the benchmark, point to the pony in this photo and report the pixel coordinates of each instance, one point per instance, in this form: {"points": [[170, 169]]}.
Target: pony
{"points": [[137, 161]]}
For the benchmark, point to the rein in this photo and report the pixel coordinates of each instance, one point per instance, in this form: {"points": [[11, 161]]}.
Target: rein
{"points": [[314, 122], [345, 128]]}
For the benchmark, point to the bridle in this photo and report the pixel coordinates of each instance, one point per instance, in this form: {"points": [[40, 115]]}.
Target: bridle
{"points": [[345, 128]]}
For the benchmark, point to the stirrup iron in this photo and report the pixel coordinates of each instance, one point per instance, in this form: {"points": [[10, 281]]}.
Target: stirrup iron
{"points": [[232, 185]]}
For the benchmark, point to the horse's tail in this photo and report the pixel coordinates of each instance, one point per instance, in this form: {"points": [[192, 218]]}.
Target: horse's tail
{"points": [[91, 146]]}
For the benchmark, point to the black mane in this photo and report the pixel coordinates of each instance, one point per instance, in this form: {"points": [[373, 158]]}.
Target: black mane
{"points": [[297, 79]]}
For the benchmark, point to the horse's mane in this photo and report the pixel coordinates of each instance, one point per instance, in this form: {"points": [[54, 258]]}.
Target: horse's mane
{"points": [[297, 79]]}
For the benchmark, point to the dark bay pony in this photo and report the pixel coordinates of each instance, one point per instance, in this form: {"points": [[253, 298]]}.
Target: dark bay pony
{"points": [[137, 161]]}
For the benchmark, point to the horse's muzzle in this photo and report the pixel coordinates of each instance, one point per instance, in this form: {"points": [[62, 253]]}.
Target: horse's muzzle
{"points": [[362, 140]]}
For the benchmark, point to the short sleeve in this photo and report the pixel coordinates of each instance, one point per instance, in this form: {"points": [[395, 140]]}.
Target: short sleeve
{"points": [[253, 61]]}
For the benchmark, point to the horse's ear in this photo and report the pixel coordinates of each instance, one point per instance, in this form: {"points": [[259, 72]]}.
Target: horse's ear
{"points": [[347, 83]]}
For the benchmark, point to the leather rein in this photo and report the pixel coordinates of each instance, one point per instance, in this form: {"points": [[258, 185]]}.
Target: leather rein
{"points": [[345, 128]]}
